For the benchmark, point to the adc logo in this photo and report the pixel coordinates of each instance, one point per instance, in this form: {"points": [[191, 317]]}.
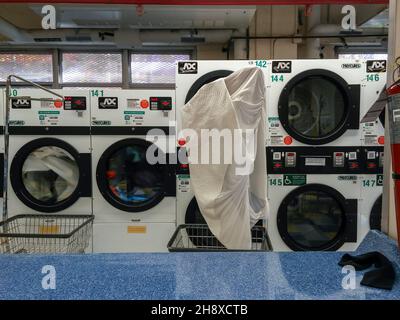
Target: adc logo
{"points": [[281, 66], [376, 66], [21, 103], [187, 67], [108, 103]]}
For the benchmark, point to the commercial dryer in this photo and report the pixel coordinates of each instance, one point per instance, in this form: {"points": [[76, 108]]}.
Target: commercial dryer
{"points": [[134, 196], [2, 112], [313, 102], [49, 153], [372, 85], [192, 75], [372, 187], [314, 198]]}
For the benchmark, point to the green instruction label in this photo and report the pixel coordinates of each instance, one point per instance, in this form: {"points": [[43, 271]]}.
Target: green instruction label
{"points": [[294, 179], [49, 112], [133, 112], [379, 179]]}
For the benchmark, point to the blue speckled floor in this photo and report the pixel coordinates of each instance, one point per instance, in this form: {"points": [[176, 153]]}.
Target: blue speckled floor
{"points": [[192, 275]]}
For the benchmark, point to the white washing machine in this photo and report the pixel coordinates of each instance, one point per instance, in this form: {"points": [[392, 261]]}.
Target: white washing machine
{"points": [[373, 83], [192, 75], [49, 153], [134, 201], [314, 102], [2, 122], [372, 187], [314, 198]]}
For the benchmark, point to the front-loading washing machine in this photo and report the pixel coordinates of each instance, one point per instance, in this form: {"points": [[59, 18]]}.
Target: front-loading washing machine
{"points": [[372, 187], [134, 198], [49, 165], [2, 113], [372, 90], [313, 102], [314, 198], [192, 75]]}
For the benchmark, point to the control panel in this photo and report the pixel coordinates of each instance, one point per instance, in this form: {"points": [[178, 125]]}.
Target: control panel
{"points": [[316, 160], [75, 103], [373, 158], [161, 103]]}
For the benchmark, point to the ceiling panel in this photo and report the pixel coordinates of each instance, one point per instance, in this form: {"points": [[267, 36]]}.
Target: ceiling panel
{"points": [[21, 16], [154, 17]]}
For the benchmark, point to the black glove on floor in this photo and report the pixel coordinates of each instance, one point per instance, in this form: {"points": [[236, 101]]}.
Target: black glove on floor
{"points": [[382, 277]]}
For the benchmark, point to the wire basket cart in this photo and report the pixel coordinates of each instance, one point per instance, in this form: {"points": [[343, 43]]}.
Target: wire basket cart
{"points": [[198, 238], [32, 233]]}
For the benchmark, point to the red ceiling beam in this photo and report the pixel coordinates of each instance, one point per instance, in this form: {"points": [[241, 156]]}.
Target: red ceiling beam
{"points": [[205, 2]]}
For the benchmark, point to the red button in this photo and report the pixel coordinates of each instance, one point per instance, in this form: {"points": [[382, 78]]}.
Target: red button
{"points": [[58, 103], [354, 165], [277, 165], [111, 174], [181, 142], [288, 140], [144, 104], [184, 165], [371, 165], [381, 140]]}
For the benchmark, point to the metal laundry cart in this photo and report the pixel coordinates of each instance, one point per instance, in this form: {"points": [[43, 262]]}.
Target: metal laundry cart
{"points": [[198, 238], [32, 233]]}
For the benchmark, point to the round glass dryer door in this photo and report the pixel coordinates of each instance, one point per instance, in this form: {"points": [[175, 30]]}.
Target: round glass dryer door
{"points": [[206, 78], [316, 107], [127, 180], [46, 174], [312, 218]]}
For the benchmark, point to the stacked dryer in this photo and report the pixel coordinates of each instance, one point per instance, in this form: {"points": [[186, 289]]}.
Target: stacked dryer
{"points": [[374, 82], [314, 153], [2, 113], [190, 77], [134, 194]]}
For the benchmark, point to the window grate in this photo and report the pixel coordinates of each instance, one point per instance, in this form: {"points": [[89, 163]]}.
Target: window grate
{"points": [[149, 68]]}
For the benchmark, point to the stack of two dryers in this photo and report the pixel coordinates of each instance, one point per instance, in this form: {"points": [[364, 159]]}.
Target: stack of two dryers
{"points": [[190, 77], [324, 167]]}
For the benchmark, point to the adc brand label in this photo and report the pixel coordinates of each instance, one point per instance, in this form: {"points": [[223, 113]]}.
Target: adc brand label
{"points": [[21, 103], [281, 66], [294, 179], [376, 66], [108, 103], [187, 67]]}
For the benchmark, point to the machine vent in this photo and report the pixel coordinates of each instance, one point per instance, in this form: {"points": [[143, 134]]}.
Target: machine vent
{"points": [[193, 39], [78, 38], [47, 39]]}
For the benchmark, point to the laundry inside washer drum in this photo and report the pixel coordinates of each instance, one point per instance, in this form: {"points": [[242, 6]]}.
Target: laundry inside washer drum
{"points": [[131, 178], [50, 174], [316, 107], [314, 218]]}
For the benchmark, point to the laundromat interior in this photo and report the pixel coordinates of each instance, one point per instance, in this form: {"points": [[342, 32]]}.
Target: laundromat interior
{"points": [[200, 150]]}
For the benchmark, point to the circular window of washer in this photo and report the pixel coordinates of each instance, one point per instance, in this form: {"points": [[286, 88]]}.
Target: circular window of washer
{"points": [[127, 180], [204, 79], [311, 219], [315, 107], [45, 175]]}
